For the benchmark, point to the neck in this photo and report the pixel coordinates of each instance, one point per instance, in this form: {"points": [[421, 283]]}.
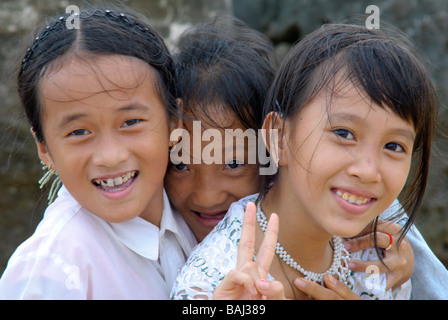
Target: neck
{"points": [[153, 212], [299, 234]]}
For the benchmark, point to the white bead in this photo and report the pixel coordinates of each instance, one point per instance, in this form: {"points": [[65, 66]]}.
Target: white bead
{"points": [[340, 254]]}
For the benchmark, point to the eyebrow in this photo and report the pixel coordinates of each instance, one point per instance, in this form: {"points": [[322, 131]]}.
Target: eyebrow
{"points": [[404, 133], [358, 119], [134, 106], [70, 118], [345, 116], [76, 116]]}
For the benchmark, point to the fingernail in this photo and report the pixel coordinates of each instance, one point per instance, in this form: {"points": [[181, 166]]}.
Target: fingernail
{"points": [[332, 279], [263, 284], [300, 283], [347, 246], [351, 265]]}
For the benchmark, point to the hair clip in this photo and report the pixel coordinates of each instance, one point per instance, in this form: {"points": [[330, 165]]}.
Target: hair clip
{"points": [[278, 109], [37, 40]]}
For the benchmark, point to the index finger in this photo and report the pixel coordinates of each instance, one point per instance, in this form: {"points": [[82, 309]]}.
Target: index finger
{"points": [[246, 245], [267, 249]]}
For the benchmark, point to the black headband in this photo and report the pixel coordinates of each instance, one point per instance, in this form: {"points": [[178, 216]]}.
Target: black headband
{"points": [[60, 22]]}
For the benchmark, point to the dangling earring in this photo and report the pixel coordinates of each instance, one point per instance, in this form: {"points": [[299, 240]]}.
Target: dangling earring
{"points": [[46, 178]]}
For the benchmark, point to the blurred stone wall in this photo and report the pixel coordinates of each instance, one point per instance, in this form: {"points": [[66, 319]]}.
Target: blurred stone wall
{"points": [[284, 21]]}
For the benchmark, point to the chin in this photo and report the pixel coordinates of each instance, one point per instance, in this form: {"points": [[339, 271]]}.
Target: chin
{"points": [[348, 232]]}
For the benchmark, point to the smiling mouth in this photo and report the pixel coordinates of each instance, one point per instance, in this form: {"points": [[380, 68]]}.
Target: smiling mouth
{"points": [[117, 183], [353, 199], [210, 216]]}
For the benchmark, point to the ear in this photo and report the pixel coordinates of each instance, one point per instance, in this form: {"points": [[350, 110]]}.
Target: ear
{"points": [[176, 122], [275, 139], [42, 151]]}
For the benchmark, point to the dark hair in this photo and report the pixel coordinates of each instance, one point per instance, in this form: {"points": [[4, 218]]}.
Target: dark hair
{"points": [[382, 65], [222, 61], [100, 32]]}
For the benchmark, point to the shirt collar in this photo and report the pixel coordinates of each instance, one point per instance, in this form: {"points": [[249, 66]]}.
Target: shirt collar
{"points": [[172, 221], [168, 221], [138, 235], [144, 238]]}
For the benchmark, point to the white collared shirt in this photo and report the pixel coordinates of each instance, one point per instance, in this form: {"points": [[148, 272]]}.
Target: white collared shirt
{"points": [[73, 254]]}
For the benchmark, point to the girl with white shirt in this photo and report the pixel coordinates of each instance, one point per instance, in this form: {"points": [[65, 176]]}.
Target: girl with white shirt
{"points": [[100, 98]]}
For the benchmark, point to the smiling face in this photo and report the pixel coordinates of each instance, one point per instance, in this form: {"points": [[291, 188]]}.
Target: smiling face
{"points": [[202, 193], [106, 133], [342, 165]]}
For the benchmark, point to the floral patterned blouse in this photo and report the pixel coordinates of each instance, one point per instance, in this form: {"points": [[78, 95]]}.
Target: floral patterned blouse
{"points": [[212, 259]]}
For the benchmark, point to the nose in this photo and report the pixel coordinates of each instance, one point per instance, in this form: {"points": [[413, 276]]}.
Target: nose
{"points": [[366, 166], [109, 152], [208, 193]]}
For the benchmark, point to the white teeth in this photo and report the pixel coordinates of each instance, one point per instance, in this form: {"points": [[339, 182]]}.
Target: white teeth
{"points": [[352, 198], [116, 181]]}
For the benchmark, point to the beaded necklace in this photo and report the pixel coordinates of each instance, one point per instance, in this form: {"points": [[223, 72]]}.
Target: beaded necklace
{"points": [[338, 268]]}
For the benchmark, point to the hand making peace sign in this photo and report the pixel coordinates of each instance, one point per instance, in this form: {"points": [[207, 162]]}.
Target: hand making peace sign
{"points": [[249, 280]]}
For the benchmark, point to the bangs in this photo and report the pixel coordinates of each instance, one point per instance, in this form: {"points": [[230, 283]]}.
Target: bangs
{"points": [[392, 78], [384, 72], [219, 89], [223, 62]]}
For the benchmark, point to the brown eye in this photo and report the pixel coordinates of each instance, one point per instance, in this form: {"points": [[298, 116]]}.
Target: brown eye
{"points": [[234, 164], [180, 166], [395, 147], [78, 132], [131, 122], [343, 133]]}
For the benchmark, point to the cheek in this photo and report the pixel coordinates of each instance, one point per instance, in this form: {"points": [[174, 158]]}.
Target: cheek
{"points": [[245, 188], [151, 148], [395, 178], [71, 163], [176, 189], [246, 185], [313, 168], [307, 153]]}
